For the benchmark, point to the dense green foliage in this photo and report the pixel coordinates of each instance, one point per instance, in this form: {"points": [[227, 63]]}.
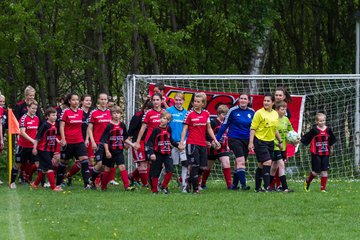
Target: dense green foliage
{"points": [[214, 214], [90, 46]]}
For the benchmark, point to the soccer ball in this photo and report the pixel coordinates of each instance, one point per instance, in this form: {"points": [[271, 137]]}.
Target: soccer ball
{"points": [[292, 136]]}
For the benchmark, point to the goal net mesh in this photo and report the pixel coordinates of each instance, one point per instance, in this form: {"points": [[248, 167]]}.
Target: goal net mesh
{"points": [[333, 95]]}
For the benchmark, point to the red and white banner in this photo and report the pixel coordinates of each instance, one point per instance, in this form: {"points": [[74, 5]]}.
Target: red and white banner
{"points": [[214, 99]]}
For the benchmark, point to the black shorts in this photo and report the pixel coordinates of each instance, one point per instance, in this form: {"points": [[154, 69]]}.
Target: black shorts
{"points": [[279, 155], [217, 156], [24, 154], [100, 153], [157, 165], [117, 157], [239, 147], [73, 150], [45, 160], [264, 150], [319, 163], [196, 155]]}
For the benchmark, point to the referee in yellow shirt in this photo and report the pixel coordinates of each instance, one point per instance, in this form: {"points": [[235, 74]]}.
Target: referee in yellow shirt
{"points": [[262, 135]]}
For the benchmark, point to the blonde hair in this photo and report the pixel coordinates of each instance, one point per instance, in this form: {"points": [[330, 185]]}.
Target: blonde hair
{"points": [[203, 96], [28, 90], [115, 109], [222, 109], [33, 102], [319, 115], [180, 95], [166, 114]]}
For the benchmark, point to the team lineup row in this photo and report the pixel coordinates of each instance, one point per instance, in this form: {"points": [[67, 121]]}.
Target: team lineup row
{"points": [[163, 134]]}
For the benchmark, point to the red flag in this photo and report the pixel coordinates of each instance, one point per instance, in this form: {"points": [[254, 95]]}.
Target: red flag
{"points": [[13, 123]]}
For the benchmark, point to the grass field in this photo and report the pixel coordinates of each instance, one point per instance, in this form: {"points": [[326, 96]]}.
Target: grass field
{"points": [[216, 213]]}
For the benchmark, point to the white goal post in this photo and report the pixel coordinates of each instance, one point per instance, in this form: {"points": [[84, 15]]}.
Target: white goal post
{"points": [[335, 95]]}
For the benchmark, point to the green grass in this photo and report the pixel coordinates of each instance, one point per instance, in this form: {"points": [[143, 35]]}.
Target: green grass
{"points": [[214, 214]]}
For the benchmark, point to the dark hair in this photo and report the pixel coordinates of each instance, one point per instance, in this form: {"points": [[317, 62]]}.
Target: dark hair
{"points": [[270, 95], [156, 94], [49, 111], [160, 86], [287, 95], [85, 96], [147, 105], [68, 98]]}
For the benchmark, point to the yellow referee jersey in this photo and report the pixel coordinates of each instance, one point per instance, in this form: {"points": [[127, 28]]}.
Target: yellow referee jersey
{"points": [[265, 124]]}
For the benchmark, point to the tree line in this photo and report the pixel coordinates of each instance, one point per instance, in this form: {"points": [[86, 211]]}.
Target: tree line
{"points": [[89, 46]]}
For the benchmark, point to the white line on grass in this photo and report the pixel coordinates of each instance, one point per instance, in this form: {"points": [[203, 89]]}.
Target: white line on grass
{"points": [[16, 230]]}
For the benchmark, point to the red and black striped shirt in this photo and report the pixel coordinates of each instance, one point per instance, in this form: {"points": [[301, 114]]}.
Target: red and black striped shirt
{"points": [[320, 140], [215, 125], [160, 141], [114, 135], [46, 137]]}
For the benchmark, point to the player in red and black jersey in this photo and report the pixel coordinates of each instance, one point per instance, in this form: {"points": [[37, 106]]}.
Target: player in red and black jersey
{"points": [[159, 149], [139, 154], [114, 138], [197, 123], [29, 124], [321, 139], [45, 147], [222, 154], [150, 120], [72, 141], [99, 119], [75, 168], [2, 113]]}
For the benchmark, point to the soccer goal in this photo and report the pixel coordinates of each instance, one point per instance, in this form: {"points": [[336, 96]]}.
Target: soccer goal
{"points": [[334, 95]]}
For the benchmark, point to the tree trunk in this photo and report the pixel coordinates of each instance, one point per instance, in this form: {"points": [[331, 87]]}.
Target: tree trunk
{"points": [[149, 43]]}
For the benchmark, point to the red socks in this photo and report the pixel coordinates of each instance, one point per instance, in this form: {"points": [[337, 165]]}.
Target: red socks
{"points": [[105, 179], [112, 174], [310, 178], [39, 178], [75, 168], [167, 179], [323, 183], [51, 178], [135, 175], [124, 178], [205, 177], [154, 185], [227, 176]]}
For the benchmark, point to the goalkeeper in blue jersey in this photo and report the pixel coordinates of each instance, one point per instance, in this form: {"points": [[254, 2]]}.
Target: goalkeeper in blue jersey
{"points": [[238, 121], [178, 113]]}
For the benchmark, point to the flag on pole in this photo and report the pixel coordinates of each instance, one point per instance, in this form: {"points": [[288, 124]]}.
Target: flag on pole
{"points": [[13, 126]]}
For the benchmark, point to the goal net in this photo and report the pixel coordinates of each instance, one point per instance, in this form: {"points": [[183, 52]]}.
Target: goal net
{"points": [[333, 95]]}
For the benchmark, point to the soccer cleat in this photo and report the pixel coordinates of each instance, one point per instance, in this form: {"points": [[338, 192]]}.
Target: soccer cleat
{"points": [[197, 191], [68, 181], [88, 187], [324, 191], [260, 190], [245, 188], [1, 182], [165, 190], [57, 189], [12, 185], [33, 186], [113, 182], [130, 188], [288, 190], [184, 190], [306, 186], [46, 185], [233, 187], [203, 187]]}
